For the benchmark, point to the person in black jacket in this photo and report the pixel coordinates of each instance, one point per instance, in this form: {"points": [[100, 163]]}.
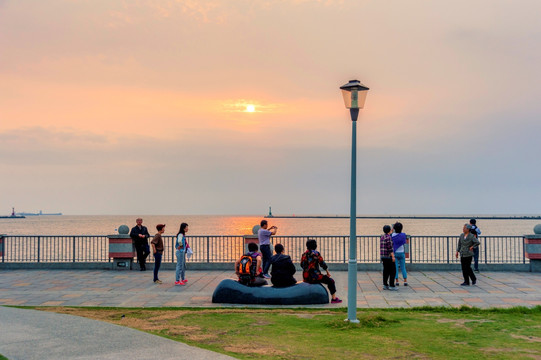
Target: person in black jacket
{"points": [[282, 268], [139, 234]]}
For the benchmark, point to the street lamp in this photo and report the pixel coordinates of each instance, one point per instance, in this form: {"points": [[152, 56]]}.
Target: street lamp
{"points": [[354, 94]]}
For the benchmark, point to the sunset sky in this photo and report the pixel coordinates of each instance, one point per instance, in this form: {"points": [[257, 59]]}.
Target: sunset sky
{"points": [[232, 106]]}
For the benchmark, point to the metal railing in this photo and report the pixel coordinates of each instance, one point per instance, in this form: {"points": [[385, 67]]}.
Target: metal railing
{"points": [[76, 248], [220, 248]]}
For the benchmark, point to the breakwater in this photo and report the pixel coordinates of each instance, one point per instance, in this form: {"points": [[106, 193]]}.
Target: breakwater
{"points": [[412, 217]]}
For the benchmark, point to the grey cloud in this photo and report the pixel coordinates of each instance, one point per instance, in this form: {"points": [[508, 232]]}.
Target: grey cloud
{"points": [[169, 177], [41, 134]]}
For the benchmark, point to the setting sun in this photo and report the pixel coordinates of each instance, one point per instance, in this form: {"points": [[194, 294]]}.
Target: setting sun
{"points": [[250, 108]]}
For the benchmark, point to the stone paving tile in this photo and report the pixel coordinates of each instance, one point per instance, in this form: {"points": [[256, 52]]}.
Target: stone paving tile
{"points": [[474, 300], [53, 303], [416, 302], [456, 291], [494, 301], [512, 300]]}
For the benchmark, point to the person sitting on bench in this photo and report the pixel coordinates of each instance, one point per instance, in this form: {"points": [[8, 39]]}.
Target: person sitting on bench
{"points": [[248, 267], [311, 260], [282, 268]]}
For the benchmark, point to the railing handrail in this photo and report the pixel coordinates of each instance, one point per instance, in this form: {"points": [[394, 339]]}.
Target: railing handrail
{"points": [[274, 236]]}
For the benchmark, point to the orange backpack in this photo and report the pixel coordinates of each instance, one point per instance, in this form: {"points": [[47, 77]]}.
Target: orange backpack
{"points": [[246, 269]]}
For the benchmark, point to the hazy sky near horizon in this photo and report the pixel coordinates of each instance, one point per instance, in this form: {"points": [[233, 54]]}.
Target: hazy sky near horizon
{"points": [[139, 107]]}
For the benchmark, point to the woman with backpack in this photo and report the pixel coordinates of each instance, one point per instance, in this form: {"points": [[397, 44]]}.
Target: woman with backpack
{"points": [[180, 251]]}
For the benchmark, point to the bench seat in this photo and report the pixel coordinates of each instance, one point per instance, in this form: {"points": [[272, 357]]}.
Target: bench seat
{"points": [[232, 292]]}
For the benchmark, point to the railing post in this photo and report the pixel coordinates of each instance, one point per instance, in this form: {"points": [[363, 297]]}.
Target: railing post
{"points": [[345, 256], [485, 250], [73, 249], [39, 237], [2, 245], [448, 260], [523, 250], [410, 247], [208, 249]]}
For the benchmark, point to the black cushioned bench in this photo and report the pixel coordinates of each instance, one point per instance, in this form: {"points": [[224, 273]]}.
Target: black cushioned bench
{"points": [[232, 292]]}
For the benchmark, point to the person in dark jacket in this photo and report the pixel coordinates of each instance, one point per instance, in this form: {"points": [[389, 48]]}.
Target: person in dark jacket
{"points": [[139, 234], [387, 258], [157, 250], [466, 243], [282, 268]]}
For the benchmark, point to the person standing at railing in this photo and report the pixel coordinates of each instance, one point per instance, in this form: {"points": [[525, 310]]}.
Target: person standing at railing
{"points": [[466, 243], [475, 231], [157, 250], [180, 252], [399, 241], [264, 236], [387, 258], [140, 235]]}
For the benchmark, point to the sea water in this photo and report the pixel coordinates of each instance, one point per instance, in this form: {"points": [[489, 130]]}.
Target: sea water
{"points": [[242, 225]]}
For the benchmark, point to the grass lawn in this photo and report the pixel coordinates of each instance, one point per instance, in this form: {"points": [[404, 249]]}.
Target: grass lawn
{"points": [[429, 333]]}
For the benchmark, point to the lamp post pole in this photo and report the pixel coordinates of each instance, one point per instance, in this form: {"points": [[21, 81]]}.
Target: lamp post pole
{"points": [[352, 264], [354, 94]]}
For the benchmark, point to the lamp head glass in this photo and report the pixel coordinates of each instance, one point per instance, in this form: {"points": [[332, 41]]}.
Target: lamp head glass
{"points": [[354, 94]]}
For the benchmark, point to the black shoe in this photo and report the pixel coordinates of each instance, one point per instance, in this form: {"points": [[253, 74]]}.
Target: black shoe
{"points": [[465, 284], [474, 282]]}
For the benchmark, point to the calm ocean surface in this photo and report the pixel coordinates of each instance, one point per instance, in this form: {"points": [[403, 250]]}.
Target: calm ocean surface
{"points": [[242, 225]]}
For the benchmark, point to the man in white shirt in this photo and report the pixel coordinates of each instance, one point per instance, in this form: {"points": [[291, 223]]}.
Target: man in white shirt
{"points": [[264, 235]]}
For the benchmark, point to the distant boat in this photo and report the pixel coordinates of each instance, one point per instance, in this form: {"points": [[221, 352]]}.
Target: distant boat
{"points": [[37, 214], [13, 215]]}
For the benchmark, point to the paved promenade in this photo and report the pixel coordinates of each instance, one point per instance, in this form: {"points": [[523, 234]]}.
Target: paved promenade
{"points": [[41, 335], [136, 289]]}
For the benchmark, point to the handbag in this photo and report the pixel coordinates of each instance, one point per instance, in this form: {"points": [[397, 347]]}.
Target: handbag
{"points": [[189, 252]]}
